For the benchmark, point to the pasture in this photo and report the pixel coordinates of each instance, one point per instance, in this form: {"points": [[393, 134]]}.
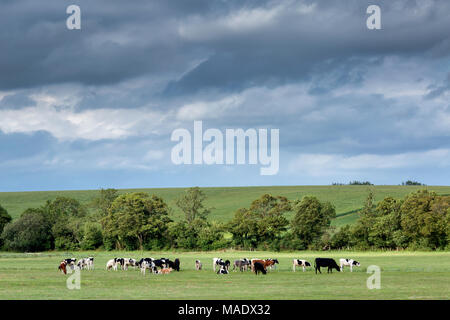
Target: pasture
{"points": [[404, 275], [226, 200]]}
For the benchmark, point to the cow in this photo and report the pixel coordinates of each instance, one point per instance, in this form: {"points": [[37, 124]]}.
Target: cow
{"points": [[223, 269], [149, 260], [111, 264], [326, 262], [128, 262], [62, 267], [161, 262], [71, 262], [198, 265], [82, 264], [300, 263], [165, 270], [147, 265], [266, 263], [216, 262], [176, 265], [348, 262], [90, 263], [259, 267], [242, 264]]}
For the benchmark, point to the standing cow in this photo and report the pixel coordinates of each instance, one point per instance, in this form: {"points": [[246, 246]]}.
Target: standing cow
{"points": [[300, 263], [326, 262], [259, 267], [348, 262]]}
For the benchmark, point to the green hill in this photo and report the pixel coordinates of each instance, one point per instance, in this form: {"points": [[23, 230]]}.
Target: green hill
{"points": [[225, 200]]}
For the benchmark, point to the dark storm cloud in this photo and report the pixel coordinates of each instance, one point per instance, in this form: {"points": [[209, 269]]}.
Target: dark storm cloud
{"points": [[120, 40]]}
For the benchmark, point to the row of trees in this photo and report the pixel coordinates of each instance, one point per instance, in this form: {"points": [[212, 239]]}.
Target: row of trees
{"points": [[142, 221]]}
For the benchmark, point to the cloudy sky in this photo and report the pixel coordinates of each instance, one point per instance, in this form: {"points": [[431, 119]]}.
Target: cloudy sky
{"points": [[92, 108]]}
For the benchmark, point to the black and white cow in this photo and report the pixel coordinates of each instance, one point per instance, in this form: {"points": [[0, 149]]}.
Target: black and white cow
{"points": [[223, 269], [129, 262], [300, 263], [82, 263], [198, 265], [148, 265], [217, 262], [90, 263], [71, 262], [149, 260], [348, 262], [326, 262], [111, 264]]}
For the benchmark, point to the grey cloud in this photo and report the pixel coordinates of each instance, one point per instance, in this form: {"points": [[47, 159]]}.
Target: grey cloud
{"points": [[16, 101]]}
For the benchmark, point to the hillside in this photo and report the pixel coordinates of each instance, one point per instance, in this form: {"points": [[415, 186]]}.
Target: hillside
{"points": [[225, 200]]}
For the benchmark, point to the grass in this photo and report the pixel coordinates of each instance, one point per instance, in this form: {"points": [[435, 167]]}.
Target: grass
{"points": [[404, 275], [226, 200]]}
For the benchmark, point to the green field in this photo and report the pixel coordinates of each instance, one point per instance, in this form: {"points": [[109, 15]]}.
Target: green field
{"points": [[226, 200], [404, 275]]}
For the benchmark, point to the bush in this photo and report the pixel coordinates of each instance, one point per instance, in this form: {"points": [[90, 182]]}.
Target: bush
{"points": [[31, 232]]}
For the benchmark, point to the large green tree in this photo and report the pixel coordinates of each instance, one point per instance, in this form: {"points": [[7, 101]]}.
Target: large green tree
{"points": [[135, 219], [264, 221], [30, 232], [312, 218], [423, 218]]}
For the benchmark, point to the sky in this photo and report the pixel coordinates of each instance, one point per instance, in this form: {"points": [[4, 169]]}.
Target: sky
{"points": [[96, 107]]}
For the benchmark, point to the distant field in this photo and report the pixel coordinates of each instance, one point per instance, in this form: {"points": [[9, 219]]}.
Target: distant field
{"points": [[226, 200], [404, 275]]}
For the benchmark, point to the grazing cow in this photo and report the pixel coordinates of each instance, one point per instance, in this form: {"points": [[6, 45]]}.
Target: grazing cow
{"points": [[62, 267], [161, 262], [149, 260], [82, 263], [216, 262], [259, 267], [148, 265], [223, 269], [111, 264], [176, 264], [90, 263], [348, 262], [128, 262], [326, 262], [300, 263], [198, 265], [71, 262], [242, 264], [266, 263]]}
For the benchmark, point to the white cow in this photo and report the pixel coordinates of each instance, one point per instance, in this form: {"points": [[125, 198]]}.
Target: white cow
{"points": [[128, 262], [348, 262], [111, 264], [216, 262], [148, 265], [90, 263], [300, 263]]}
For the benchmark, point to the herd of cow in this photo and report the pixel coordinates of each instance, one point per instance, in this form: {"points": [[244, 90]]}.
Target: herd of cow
{"points": [[261, 266], [219, 265]]}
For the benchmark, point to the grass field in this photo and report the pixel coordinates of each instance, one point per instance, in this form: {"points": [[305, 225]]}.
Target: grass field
{"points": [[404, 275], [226, 200]]}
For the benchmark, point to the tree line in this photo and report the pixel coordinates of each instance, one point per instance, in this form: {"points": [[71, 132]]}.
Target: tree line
{"points": [[142, 221]]}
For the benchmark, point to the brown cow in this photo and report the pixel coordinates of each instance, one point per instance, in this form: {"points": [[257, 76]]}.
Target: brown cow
{"points": [[62, 267], [266, 263]]}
